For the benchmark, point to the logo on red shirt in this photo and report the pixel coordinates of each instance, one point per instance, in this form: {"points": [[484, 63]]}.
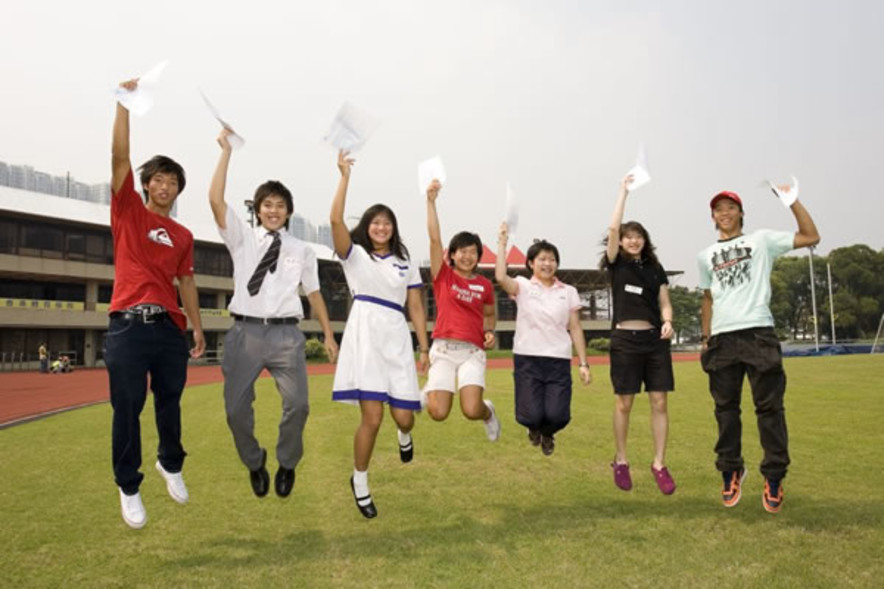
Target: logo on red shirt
{"points": [[160, 236]]}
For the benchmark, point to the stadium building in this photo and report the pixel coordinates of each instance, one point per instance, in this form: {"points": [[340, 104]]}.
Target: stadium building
{"points": [[56, 280]]}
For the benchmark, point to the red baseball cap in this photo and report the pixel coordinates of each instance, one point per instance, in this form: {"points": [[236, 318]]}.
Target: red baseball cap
{"points": [[726, 194]]}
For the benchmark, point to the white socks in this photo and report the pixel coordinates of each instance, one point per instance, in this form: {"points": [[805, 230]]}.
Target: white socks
{"points": [[360, 485], [404, 439]]}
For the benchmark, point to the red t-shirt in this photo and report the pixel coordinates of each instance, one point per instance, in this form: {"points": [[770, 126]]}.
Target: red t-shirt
{"points": [[460, 306], [149, 252]]}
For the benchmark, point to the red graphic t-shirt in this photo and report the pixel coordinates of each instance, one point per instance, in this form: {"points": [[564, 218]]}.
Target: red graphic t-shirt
{"points": [[149, 252], [460, 306]]}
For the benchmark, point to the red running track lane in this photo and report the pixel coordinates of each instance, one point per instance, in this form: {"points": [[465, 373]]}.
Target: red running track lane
{"points": [[25, 396]]}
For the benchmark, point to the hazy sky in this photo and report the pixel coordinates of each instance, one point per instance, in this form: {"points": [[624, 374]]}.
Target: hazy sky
{"points": [[552, 96]]}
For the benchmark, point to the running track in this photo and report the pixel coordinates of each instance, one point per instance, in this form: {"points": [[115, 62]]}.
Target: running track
{"points": [[25, 396]]}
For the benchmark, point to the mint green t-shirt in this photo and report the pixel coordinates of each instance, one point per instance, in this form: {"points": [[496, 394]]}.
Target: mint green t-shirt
{"points": [[737, 272]]}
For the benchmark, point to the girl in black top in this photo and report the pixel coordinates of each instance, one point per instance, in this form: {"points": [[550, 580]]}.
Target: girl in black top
{"points": [[640, 332]]}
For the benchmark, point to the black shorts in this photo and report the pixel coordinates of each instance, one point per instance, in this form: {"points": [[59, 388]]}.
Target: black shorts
{"points": [[640, 356]]}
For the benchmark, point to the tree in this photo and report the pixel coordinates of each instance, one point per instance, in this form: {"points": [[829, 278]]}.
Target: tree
{"points": [[685, 311]]}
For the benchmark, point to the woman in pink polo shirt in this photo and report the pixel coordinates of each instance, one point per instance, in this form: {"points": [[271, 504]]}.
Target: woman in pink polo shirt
{"points": [[548, 313]]}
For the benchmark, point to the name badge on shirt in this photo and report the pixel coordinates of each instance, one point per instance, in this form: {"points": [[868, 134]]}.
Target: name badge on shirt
{"points": [[633, 289]]}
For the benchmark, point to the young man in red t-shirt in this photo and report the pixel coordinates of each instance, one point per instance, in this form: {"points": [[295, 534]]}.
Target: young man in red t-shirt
{"points": [[146, 334], [465, 321]]}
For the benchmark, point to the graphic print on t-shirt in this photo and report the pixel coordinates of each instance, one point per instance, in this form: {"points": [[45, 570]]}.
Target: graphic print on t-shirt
{"points": [[160, 236], [474, 292], [732, 265]]}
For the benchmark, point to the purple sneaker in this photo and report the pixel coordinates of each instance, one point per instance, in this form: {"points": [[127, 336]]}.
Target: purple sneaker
{"points": [[664, 480], [621, 475]]}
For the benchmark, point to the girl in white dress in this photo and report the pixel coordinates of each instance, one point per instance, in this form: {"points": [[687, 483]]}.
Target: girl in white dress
{"points": [[376, 360]]}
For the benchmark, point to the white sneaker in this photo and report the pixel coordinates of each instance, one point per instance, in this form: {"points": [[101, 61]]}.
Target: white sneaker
{"points": [[492, 425], [133, 510], [174, 484]]}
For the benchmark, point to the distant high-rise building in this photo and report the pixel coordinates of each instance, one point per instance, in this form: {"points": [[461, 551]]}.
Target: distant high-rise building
{"points": [[4, 174], [324, 235]]}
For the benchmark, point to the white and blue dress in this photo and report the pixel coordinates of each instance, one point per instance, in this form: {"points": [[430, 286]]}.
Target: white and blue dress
{"points": [[376, 359]]}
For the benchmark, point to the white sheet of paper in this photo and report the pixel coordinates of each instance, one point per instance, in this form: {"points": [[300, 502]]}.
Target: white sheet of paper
{"points": [[429, 170], [512, 214], [236, 141], [640, 172], [350, 128], [140, 101], [787, 197]]}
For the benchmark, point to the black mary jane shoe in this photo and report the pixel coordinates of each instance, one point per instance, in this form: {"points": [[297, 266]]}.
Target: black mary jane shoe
{"points": [[368, 510], [406, 452]]}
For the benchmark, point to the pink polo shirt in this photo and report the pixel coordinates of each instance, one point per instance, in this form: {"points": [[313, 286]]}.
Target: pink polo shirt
{"points": [[542, 318]]}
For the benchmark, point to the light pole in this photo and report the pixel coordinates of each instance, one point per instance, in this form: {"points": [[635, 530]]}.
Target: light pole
{"points": [[816, 327], [831, 302]]}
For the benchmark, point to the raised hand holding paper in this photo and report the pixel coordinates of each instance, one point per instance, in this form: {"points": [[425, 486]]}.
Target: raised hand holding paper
{"points": [[429, 170], [236, 141], [787, 194], [511, 217], [140, 100], [350, 128], [639, 172]]}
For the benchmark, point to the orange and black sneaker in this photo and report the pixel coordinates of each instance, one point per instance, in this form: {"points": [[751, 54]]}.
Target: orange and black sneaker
{"points": [[772, 498], [733, 486]]}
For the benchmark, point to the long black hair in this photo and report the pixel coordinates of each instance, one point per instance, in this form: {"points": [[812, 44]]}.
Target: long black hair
{"points": [[359, 234], [648, 253]]}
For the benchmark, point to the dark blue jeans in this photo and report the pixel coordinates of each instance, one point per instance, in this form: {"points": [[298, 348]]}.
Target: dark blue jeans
{"points": [[132, 351], [754, 353], [543, 392]]}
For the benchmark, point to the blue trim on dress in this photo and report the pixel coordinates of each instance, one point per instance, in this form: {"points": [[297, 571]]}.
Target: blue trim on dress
{"points": [[418, 285], [360, 395], [379, 301]]}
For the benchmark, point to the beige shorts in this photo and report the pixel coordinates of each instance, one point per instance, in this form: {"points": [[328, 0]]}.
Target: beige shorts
{"points": [[452, 360]]}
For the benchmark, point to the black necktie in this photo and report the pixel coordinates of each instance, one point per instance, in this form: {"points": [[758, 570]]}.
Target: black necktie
{"points": [[267, 263]]}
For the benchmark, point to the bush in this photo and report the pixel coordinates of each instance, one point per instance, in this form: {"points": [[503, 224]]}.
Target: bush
{"points": [[315, 350], [601, 344]]}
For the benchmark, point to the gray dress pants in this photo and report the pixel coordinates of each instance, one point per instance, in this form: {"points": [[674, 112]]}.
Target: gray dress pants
{"points": [[249, 348]]}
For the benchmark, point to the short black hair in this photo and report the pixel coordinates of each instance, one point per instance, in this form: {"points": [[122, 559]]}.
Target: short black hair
{"points": [[462, 240], [271, 188], [541, 245], [161, 164]]}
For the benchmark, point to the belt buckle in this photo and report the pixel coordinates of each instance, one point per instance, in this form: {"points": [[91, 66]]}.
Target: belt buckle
{"points": [[146, 317], [266, 321]]}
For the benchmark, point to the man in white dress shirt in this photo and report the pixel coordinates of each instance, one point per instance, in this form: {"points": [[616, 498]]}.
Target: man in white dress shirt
{"points": [[268, 266]]}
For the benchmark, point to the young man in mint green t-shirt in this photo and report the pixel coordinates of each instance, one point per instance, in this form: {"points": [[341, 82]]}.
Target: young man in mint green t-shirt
{"points": [[739, 339]]}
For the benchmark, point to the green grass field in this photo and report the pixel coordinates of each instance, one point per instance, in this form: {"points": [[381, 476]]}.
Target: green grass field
{"points": [[466, 512]]}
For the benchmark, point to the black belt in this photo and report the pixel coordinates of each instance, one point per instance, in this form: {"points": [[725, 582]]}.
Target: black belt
{"points": [[139, 315], [267, 320]]}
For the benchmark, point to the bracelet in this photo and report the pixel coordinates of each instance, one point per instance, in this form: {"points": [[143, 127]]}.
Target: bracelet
{"points": [[491, 331], [583, 365], [423, 351]]}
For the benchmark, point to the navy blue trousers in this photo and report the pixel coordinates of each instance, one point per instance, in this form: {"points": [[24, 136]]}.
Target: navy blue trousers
{"points": [[134, 350], [543, 392]]}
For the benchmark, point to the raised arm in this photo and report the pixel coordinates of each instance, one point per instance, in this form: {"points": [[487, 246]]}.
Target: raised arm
{"points": [[340, 233], [317, 303], [120, 160], [419, 320], [617, 219], [807, 235], [507, 283], [433, 229], [579, 341], [219, 180]]}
